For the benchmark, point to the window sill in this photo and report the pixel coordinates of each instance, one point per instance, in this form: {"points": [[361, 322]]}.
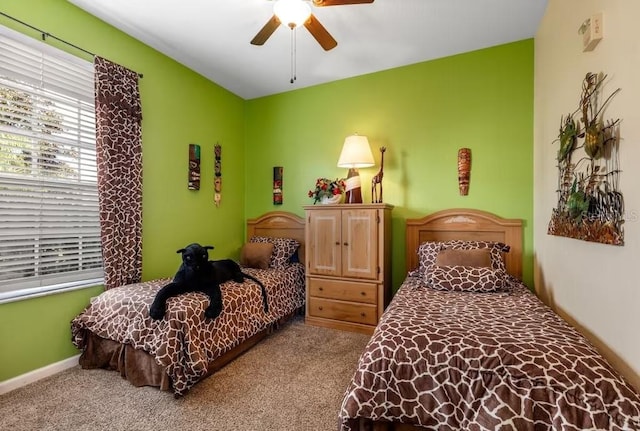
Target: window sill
{"points": [[19, 295]]}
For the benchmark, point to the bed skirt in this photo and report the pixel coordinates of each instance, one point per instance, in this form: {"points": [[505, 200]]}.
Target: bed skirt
{"points": [[141, 369]]}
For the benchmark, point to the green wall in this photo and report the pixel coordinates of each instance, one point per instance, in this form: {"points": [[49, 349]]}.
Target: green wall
{"points": [[36, 332], [423, 114], [179, 107]]}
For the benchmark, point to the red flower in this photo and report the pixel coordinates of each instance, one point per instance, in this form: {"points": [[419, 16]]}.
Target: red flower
{"points": [[326, 188]]}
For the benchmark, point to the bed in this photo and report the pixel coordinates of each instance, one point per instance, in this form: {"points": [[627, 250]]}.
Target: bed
{"points": [[115, 331], [462, 356]]}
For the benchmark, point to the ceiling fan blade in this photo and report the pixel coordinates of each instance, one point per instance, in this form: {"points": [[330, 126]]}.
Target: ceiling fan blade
{"points": [[320, 33], [321, 3], [266, 31]]}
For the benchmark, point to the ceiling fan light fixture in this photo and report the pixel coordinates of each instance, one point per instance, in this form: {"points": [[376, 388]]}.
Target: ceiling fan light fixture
{"points": [[292, 13]]}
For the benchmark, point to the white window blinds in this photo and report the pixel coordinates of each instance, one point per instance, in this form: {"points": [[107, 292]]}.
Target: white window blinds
{"points": [[49, 222]]}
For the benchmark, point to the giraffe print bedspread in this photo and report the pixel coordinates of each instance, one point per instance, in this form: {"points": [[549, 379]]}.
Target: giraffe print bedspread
{"points": [[483, 361], [185, 341]]}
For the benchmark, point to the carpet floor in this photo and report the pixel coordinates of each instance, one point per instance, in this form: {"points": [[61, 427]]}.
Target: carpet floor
{"points": [[293, 380]]}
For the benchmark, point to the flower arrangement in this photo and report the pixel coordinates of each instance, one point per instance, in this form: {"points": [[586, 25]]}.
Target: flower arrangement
{"points": [[326, 188]]}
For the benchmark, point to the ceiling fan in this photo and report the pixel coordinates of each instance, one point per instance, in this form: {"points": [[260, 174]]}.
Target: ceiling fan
{"points": [[294, 13]]}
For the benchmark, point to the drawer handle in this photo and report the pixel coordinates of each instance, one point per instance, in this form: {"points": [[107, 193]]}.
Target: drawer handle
{"points": [[320, 288], [363, 315], [363, 293], [320, 308], [337, 242], [345, 243]]}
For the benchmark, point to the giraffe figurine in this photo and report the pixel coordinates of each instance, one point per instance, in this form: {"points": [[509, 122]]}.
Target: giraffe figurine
{"points": [[377, 180]]}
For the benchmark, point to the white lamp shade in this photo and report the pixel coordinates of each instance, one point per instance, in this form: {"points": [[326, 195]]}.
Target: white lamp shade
{"points": [[356, 153], [292, 13]]}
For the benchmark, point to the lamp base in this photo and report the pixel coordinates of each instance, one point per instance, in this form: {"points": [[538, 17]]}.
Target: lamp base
{"points": [[353, 191]]}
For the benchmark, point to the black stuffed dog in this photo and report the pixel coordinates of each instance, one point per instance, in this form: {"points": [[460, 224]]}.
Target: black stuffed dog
{"points": [[198, 274]]}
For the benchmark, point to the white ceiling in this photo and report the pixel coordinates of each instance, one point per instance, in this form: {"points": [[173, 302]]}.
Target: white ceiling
{"points": [[212, 37]]}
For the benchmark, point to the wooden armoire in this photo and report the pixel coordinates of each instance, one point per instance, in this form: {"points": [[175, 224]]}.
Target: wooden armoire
{"points": [[348, 265]]}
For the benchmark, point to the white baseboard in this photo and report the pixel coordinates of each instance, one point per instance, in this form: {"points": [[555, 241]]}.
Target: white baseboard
{"points": [[35, 375]]}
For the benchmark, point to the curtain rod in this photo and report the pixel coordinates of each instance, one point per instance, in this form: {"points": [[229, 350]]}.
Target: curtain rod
{"points": [[46, 34]]}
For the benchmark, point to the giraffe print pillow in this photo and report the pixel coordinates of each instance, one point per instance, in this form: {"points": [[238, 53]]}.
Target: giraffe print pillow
{"points": [[427, 254], [283, 250], [458, 278]]}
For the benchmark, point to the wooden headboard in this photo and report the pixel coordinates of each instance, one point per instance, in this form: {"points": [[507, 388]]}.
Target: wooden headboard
{"points": [[278, 224], [466, 224]]}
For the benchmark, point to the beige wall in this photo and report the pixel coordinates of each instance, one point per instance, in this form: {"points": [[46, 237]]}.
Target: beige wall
{"points": [[593, 286]]}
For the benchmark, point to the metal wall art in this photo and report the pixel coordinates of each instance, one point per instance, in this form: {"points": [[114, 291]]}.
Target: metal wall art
{"points": [[590, 204]]}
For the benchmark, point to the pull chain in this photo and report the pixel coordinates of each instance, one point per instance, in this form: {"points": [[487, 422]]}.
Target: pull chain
{"points": [[293, 55]]}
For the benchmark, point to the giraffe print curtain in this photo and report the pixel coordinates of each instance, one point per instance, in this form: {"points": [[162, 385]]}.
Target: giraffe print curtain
{"points": [[119, 158]]}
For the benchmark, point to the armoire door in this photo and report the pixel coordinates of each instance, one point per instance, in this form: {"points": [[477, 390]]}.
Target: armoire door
{"points": [[360, 243], [324, 243]]}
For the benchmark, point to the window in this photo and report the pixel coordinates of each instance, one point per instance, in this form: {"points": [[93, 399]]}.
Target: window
{"points": [[49, 220]]}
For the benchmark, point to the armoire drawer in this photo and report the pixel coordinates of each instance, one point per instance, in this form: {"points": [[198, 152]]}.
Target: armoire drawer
{"points": [[343, 290], [346, 311]]}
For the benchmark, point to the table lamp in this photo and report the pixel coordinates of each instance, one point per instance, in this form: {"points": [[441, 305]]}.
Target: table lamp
{"points": [[355, 154]]}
